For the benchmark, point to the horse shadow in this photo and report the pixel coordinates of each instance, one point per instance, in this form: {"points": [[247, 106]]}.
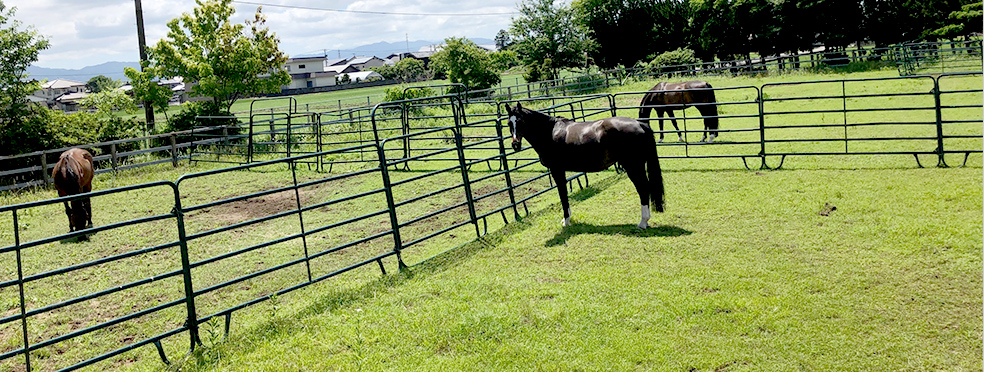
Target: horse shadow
{"points": [[578, 228]]}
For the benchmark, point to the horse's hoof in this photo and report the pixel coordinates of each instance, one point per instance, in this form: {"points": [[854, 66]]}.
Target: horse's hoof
{"points": [[642, 226], [660, 140]]}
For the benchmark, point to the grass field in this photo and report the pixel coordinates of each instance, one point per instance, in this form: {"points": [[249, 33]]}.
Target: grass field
{"points": [[743, 272]]}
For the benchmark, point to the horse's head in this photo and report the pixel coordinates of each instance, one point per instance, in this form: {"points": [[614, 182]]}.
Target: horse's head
{"points": [[516, 116]]}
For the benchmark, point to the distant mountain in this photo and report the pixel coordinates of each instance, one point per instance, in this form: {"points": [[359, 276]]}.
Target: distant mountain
{"points": [[384, 49], [115, 69], [111, 69]]}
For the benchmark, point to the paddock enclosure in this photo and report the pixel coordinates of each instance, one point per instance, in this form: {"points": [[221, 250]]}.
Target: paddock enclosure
{"points": [[335, 199]]}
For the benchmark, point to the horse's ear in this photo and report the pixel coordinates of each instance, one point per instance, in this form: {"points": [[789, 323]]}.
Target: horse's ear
{"points": [[508, 109], [519, 106]]}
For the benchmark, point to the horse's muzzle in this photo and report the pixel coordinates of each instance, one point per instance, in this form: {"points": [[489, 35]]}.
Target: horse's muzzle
{"points": [[517, 144]]}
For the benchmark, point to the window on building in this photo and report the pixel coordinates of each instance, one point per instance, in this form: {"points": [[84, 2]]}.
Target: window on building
{"points": [[310, 84], [300, 66]]}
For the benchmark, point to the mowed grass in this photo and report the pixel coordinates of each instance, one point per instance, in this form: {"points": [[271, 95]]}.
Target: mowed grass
{"points": [[741, 273]]}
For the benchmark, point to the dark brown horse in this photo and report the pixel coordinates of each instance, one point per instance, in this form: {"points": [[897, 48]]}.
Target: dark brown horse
{"points": [[666, 97], [565, 145], [73, 175]]}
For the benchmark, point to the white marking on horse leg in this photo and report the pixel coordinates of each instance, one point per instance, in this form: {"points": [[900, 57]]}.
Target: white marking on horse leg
{"points": [[713, 136], [660, 139], [681, 138], [567, 220], [644, 223]]}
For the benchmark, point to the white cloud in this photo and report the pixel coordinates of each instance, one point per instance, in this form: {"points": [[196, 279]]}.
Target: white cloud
{"points": [[90, 32]]}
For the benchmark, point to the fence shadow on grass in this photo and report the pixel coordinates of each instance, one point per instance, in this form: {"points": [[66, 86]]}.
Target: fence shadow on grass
{"points": [[578, 228]]}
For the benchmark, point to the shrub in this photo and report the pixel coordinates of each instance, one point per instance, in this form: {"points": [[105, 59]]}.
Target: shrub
{"points": [[669, 61]]}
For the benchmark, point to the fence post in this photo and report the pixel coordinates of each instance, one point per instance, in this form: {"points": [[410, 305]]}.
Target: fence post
{"points": [[505, 162], [174, 150], [388, 191], [112, 150], [939, 123], [189, 288], [20, 288], [761, 107], [458, 111], [44, 168]]}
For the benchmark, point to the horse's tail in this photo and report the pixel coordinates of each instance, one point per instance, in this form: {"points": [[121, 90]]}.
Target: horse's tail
{"points": [[645, 108], [657, 195], [709, 109]]}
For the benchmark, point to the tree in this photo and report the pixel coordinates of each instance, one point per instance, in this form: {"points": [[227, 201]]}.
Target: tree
{"points": [[544, 30], [466, 63], [19, 48], [110, 102], [147, 89], [102, 83], [502, 40], [219, 59], [628, 31]]}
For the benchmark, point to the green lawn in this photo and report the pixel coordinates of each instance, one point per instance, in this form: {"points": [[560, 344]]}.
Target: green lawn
{"points": [[742, 272]]}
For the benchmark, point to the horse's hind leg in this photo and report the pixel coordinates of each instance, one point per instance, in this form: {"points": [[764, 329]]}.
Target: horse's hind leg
{"points": [[560, 177], [68, 212], [88, 207], [637, 174], [675, 126], [659, 113]]}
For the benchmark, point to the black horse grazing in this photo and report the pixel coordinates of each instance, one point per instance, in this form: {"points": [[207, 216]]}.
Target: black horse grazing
{"points": [[666, 97], [564, 145], [73, 175]]}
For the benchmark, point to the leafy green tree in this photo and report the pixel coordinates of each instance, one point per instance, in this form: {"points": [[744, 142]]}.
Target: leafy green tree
{"points": [[504, 59], [19, 48], [961, 22], [110, 103], [466, 63], [628, 31], [147, 89], [219, 59], [410, 69], [547, 30], [102, 83], [502, 40]]}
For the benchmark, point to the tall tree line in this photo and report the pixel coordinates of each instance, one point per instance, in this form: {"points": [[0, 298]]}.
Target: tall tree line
{"points": [[623, 32]]}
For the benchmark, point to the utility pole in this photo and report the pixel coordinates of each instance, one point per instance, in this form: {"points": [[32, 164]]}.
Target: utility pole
{"points": [[142, 42]]}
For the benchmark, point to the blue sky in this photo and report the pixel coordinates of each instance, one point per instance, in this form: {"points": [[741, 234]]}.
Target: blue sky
{"points": [[88, 32]]}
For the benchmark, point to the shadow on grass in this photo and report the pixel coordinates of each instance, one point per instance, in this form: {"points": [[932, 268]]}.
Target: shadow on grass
{"points": [[627, 230], [207, 357]]}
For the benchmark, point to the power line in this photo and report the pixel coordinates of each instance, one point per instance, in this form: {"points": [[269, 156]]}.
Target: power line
{"points": [[373, 12]]}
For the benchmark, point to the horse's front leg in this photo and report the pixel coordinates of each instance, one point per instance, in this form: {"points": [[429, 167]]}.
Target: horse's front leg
{"points": [[637, 174], [560, 177]]}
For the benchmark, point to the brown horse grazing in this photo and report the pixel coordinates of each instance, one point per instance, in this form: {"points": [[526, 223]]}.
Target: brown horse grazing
{"points": [[73, 175], [565, 145], [666, 97]]}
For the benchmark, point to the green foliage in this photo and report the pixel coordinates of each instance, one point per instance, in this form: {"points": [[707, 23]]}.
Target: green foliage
{"points": [[547, 30], [466, 63], [502, 40], [31, 133], [219, 59], [676, 57], [504, 59], [401, 92], [344, 79], [147, 89], [188, 119], [102, 83], [404, 70], [110, 102], [19, 48]]}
